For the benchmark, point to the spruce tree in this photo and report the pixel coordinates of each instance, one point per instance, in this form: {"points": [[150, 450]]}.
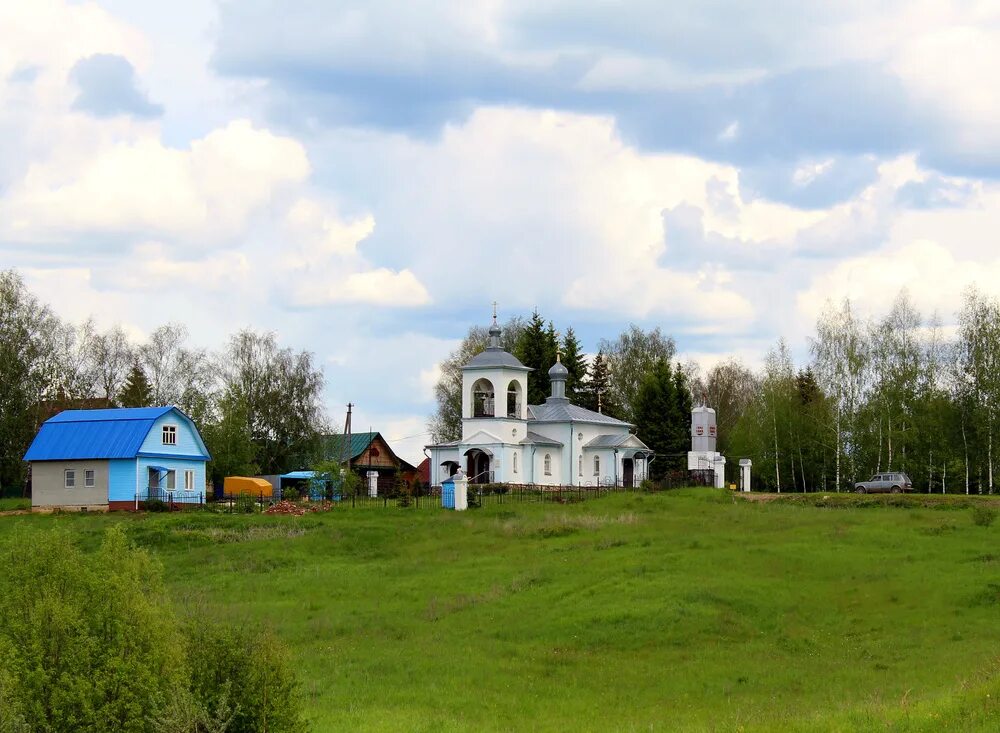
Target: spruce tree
{"points": [[533, 349], [595, 391], [137, 391], [572, 359], [656, 409]]}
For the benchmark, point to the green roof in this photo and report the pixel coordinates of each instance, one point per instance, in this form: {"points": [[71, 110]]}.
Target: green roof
{"points": [[333, 445]]}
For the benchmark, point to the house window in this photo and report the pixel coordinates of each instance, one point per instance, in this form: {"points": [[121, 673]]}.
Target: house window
{"points": [[514, 462], [548, 464], [597, 465], [169, 435], [88, 479], [579, 465], [69, 478], [189, 480], [171, 480]]}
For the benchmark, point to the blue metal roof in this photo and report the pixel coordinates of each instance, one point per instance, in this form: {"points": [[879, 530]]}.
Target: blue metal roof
{"points": [[93, 434], [117, 414], [298, 475]]}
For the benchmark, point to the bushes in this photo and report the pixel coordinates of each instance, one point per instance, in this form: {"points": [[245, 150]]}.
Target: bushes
{"points": [[983, 516], [90, 642], [154, 505], [243, 677]]}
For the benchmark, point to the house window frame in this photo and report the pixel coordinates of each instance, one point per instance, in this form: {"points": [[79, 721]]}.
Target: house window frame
{"points": [[597, 465], [69, 478], [169, 430], [189, 479], [170, 480], [547, 464], [89, 478]]}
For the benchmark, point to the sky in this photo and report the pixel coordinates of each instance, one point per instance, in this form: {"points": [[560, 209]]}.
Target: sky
{"points": [[365, 179]]}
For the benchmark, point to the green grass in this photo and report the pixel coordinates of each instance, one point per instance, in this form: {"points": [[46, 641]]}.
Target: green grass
{"points": [[690, 610], [10, 503]]}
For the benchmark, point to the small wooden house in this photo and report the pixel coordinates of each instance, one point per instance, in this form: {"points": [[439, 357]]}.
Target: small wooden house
{"points": [[368, 452], [116, 458]]}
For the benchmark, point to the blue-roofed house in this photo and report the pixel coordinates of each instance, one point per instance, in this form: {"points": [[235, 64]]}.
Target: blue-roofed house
{"points": [[116, 458]]}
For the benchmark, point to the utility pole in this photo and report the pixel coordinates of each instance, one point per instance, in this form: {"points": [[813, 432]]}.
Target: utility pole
{"points": [[346, 452]]}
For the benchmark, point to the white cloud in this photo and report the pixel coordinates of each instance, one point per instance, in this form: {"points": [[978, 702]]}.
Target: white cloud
{"points": [[933, 275], [142, 186]]}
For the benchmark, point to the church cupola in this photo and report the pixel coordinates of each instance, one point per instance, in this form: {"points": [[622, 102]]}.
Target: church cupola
{"points": [[557, 376], [494, 342]]}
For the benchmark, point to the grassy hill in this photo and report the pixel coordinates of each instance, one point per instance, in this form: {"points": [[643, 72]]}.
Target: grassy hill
{"points": [[689, 610]]}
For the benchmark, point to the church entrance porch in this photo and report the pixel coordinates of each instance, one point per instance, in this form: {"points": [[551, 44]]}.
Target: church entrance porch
{"points": [[628, 473], [478, 466]]}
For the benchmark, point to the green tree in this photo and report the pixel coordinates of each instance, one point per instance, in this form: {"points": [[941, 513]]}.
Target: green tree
{"points": [[576, 365], [630, 358], [136, 391], [229, 442], [277, 395], [663, 417], [27, 367], [536, 349], [595, 393]]}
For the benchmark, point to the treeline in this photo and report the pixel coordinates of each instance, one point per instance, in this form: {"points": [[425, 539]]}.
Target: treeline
{"points": [[258, 406], [897, 393]]}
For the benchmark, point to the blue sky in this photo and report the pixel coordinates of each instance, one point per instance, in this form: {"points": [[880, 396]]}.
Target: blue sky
{"points": [[366, 178]]}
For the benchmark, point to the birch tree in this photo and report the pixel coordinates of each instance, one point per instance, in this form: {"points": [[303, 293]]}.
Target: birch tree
{"points": [[841, 360]]}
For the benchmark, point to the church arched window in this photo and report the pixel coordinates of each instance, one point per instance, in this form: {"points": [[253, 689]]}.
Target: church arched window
{"points": [[514, 462], [579, 468], [597, 465], [482, 398], [548, 464]]}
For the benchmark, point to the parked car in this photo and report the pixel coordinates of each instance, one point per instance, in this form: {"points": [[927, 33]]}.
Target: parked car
{"points": [[896, 483]]}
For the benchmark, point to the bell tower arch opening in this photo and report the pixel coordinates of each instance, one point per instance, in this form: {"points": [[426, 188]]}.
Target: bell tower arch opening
{"points": [[515, 399], [483, 398]]}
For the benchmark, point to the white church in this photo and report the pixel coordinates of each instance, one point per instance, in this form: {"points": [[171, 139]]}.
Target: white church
{"points": [[505, 440]]}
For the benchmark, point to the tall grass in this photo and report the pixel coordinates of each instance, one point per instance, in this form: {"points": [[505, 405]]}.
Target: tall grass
{"points": [[680, 611]]}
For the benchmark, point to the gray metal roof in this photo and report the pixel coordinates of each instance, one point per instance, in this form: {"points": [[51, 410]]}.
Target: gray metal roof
{"points": [[536, 439], [615, 441], [565, 411], [492, 358]]}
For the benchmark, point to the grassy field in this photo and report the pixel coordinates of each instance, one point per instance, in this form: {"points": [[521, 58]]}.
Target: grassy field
{"points": [[689, 610]]}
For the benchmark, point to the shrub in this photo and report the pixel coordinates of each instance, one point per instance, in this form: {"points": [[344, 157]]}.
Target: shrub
{"points": [[245, 504], [244, 677], [154, 505], [983, 516], [290, 494], [90, 642], [647, 485], [91, 639]]}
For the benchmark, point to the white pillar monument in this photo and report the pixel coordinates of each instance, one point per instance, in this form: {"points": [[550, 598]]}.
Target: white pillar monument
{"points": [[745, 464], [461, 491]]}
